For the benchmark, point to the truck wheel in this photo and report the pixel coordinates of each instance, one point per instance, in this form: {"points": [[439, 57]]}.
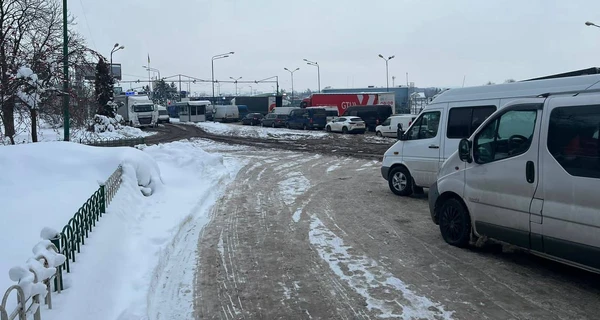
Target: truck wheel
{"points": [[379, 134], [400, 181], [455, 223], [344, 130], [328, 129]]}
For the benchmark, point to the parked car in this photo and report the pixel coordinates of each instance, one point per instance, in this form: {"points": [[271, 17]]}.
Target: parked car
{"points": [[389, 128], [346, 125], [275, 120], [163, 115], [453, 115], [372, 115], [252, 119], [308, 118], [528, 176]]}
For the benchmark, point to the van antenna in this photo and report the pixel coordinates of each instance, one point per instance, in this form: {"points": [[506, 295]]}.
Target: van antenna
{"points": [[593, 84]]}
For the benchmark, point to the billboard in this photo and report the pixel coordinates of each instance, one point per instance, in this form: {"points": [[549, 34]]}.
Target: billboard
{"points": [[89, 71]]}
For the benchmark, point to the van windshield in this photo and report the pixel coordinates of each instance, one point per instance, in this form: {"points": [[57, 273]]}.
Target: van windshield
{"points": [[143, 108]]}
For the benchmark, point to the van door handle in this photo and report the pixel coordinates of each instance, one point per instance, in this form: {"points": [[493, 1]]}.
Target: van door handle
{"points": [[530, 172], [434, 147]]}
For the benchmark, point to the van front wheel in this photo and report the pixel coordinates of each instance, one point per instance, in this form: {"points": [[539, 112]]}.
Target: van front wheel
{"points": [[400, 181], [455, 224]]}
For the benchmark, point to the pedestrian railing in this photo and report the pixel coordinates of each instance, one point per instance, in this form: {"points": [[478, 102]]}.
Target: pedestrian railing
{"points": [[113, 142], [55, 254]]}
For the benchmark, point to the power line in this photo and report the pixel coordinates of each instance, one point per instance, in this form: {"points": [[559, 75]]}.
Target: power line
{"points": [[88, 25]]}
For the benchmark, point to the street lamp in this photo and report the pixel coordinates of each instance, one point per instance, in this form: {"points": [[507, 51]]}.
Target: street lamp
{"points": [[235, 81], [387, 78], [591, 24], [314, 64], [251, 90], [114, 49], [212, 67], [152, 69], [292, 74]]}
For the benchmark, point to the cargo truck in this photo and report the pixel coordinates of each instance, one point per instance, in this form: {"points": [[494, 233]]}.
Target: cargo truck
{"points": [[259, 104], [344, 100], [137, 110]]}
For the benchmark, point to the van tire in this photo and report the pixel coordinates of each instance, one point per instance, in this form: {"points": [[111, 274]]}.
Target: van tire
{"points": [[400, 182], [379, 134], [455, 223]]}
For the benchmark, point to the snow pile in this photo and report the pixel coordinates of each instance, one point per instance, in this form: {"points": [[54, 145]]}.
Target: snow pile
{"points": [[258, 131], [104, 123], [44, 184], [139, 261]]}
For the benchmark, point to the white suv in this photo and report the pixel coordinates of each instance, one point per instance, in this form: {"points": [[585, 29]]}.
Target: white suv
{"points": [[346, 125]]}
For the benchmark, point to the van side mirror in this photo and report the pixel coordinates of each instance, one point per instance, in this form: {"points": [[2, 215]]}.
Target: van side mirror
{"points": [[464, 150]]}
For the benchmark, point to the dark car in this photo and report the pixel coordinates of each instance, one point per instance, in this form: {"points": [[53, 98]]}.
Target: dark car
{"points": [[308, 118], [371, 115], [252, 119], [275, 120]]}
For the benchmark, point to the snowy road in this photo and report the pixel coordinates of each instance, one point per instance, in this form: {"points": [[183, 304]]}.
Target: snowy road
{"points": [[301, 236]]}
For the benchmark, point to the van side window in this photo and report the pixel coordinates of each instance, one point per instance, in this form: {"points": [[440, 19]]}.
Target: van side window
{"points": [[462, 122], [573, 139], [426, 126], [507, 136]]}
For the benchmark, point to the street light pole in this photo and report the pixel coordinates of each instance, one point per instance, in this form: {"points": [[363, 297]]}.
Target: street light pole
{"points": [[114, 49], [236, 80], [387, 78], [66, 125], [315, 64], [212, 68], [153, 69], [292, 74]]}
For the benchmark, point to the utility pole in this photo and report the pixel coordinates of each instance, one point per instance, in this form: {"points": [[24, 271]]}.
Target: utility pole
{"points": [[292, 74], [387, 78], [179, 87], [393, 81], [235, 81], [315, 64], [67, 120]]}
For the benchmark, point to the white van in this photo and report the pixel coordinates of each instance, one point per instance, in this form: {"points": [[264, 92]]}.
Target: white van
{"points": [[412, 163], [163, 114], [529, 176], [226, 113], [389, 128]]}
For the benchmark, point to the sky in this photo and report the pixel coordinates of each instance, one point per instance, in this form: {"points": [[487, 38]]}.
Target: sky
{"points": [[438, 43]]}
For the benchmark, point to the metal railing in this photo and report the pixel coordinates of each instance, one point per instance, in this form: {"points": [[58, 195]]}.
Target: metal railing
{"points": [[113, 142], [68, 243]]}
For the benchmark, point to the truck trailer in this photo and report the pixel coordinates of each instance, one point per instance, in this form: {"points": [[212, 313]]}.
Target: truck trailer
{"points": [[344, 100], [259, 104]]}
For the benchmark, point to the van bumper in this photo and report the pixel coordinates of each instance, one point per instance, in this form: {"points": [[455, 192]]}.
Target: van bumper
{"points": [[434, 194], [385, 171]]}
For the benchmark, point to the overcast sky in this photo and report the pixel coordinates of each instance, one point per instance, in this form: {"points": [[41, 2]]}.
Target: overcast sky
{"points": [[437, 42]]}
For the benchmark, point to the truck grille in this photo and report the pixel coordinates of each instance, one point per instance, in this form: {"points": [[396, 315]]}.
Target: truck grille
{"points": [[145, 120]]}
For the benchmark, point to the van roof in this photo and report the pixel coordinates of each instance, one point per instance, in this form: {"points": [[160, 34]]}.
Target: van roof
{"points": [[520, 89]]}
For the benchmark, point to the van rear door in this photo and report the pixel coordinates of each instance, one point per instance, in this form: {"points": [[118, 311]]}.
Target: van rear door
{"points": [[570, 157]]}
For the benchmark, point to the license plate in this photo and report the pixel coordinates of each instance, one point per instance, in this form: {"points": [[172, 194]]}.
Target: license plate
{"points": [[360, 125]]}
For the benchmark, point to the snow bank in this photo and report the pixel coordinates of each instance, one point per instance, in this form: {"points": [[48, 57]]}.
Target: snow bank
{"points": [[44, 184], [258, 131], [140, 261]]}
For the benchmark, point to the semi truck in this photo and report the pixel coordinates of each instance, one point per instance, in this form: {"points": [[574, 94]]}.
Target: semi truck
{"points": [[137, 110], [259, 104], [344, 100]]}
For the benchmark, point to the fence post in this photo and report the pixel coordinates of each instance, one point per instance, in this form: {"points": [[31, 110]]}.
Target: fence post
{"points": [[58, 281], [102, 198]]}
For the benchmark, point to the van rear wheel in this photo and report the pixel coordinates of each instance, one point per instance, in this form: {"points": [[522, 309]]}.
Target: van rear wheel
{"points": [[455, 224], [400, 182]]}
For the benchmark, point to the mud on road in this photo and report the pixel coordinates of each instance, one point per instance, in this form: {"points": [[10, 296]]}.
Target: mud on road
{"points": [[301, 236], [356, 146]]}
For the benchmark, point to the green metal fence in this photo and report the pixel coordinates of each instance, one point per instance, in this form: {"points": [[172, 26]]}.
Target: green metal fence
{"points": [[68, 243], [113, 142], [73, 235]]}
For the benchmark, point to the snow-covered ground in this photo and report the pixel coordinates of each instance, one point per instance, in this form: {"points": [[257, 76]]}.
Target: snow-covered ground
{"points": [[141, 242], [258, 131], [46, 133]]}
